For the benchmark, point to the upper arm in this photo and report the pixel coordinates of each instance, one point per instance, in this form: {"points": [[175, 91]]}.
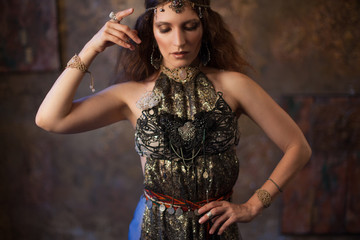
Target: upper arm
{"points": [[95, 111], [262, 109]]}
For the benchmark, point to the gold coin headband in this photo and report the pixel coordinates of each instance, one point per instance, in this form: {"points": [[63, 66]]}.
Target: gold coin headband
{"points": [[178, 5]]}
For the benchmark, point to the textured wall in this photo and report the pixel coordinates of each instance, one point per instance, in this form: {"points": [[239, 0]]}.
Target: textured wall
{"points": [[86, 186]]}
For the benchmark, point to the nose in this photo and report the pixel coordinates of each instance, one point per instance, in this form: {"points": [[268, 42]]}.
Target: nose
{"points": [[179, 38]]}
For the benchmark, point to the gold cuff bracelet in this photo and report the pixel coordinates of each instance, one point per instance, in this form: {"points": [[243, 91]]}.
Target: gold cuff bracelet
{"points": [[264, 196]]}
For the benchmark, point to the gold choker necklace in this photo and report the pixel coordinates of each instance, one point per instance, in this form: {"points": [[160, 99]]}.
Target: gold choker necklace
{"points": [[182, 74]]}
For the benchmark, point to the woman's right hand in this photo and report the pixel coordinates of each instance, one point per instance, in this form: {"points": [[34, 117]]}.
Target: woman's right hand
{"points": [[59, 113], [115, 33]]}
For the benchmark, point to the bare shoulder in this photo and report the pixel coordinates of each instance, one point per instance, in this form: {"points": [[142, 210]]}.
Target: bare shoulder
{"points": [[235, 86], [131, 91], [228, 80], [128, 93], [131, 86]]}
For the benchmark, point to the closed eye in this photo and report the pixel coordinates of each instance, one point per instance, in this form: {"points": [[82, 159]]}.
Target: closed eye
{"points": [[192, 26], [164, 29]]}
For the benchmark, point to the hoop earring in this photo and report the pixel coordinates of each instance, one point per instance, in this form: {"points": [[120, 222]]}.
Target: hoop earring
{"points": [[155, 62], [205, 55]]}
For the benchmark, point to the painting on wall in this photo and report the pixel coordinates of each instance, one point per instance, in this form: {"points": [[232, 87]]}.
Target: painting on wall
{"points": [[325, 198], [29, 36]]}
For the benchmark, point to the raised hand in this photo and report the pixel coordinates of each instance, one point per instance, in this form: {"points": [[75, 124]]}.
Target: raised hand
{"points": [[113, 32]]}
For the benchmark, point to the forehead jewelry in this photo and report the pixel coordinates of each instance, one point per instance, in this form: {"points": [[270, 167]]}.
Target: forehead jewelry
{"points": [[178, 6]]}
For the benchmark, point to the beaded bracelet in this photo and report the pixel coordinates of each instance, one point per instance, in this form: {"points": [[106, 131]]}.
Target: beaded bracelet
{"points": [[75, 62], [264, 196]]}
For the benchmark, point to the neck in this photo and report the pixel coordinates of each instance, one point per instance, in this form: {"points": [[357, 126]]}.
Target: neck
{"points": [[195, 63]]}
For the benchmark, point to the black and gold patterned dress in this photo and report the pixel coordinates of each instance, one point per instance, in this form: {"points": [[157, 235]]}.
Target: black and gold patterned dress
{"points": [[188, 134]]}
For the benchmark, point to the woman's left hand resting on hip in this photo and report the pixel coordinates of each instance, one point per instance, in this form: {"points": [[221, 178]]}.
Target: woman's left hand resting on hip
{"points": [[224, 213]]}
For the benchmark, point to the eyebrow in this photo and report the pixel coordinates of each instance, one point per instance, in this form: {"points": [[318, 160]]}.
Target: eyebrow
{"points": [[158, 24]]}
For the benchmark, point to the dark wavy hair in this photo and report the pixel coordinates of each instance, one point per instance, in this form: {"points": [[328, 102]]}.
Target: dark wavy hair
{"points": [[224, 50]]}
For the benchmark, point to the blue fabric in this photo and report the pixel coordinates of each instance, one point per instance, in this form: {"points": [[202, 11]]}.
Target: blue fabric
{"points": [[135, 225]]}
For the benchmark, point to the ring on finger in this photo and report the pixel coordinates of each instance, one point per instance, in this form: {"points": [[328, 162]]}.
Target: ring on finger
{"points": [[209, 214], [112, 15]]}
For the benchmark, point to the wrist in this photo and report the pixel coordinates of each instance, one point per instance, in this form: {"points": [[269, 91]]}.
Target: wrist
{"points": [[77, 63], [255, 205], [87, 55]]}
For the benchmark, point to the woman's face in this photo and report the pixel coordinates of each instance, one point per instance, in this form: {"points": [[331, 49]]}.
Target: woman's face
{"points": [[178, 35]]}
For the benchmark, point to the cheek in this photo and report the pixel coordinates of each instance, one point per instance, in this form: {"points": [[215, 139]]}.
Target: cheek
{"points": [[197, 40], [161, 42]]}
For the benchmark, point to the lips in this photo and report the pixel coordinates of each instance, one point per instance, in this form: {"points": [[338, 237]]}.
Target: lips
{"points": [[180, 54]]}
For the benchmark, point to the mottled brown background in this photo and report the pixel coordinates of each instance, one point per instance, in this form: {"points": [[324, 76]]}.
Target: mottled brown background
{"points": [[86, 186]]}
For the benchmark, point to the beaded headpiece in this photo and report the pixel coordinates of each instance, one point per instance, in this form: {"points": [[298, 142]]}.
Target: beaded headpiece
{"points": [[178, 5]]}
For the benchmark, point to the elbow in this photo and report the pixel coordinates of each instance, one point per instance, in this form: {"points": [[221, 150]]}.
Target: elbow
{"points": [[301, 152], [49, 124], [43, 122], [309, 151], [305, 152]]}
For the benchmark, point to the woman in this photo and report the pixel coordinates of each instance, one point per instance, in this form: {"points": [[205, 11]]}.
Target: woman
{"points": [[183, 93]]}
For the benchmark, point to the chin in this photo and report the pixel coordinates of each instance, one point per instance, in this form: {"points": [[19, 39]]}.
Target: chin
{"points": [[181, 63]]}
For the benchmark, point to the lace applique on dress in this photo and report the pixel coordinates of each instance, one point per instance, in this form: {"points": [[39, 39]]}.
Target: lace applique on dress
{"points": [[148, 100]]}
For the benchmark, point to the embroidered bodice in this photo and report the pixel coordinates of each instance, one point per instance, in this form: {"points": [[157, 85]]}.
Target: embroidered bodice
{"points": [[188, 134], [188, 116]]}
